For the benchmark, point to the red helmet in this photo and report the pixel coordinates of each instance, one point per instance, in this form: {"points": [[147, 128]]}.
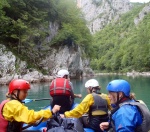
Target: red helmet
{"points": [[19, 84]]}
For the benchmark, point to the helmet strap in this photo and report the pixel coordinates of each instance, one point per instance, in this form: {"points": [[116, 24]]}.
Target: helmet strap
{"points": [[16, 96], [123, 98], [11, 96], [91, 90], [118, 100]]}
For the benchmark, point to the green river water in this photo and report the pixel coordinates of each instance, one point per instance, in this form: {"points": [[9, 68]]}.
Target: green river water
{"points": [[139, 85]]}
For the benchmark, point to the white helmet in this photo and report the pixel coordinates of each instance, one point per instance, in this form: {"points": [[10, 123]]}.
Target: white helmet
{"points": [[62, 73], [91, 83]]}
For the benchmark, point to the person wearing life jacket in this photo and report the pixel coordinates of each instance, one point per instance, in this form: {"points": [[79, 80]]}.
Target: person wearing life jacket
{"points": [[61, 91], [96, 104], [13, 113], [127, 114]]}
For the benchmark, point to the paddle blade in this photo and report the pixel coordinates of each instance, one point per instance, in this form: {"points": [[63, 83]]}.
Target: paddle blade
{"points": [[27, 101]]}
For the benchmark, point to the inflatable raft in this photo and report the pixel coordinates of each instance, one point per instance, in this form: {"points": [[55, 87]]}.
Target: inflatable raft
{"points": [[42, 126]]}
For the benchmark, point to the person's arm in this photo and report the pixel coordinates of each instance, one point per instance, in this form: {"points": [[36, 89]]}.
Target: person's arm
{"points": [[82, 108], [14, 110], [72, 93], [78, 96]]}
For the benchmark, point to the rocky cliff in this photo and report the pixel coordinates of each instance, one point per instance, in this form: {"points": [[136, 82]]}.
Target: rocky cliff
{"points": [[12, 67], [67, 57], [99, 13], [62, 57], [142, 14]]}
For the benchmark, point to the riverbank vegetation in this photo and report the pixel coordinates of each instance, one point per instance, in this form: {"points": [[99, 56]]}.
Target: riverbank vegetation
{"points": [[122, 46], [25, 27]]}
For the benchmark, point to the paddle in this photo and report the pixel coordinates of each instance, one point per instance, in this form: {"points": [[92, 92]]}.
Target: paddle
{"points": [[31, 100]]}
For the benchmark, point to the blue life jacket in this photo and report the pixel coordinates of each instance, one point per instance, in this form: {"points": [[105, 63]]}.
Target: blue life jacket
{"points": [[138, 111], [145, 126]]}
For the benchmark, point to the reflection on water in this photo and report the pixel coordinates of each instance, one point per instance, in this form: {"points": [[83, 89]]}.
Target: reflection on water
{"points": [[139, 85]]}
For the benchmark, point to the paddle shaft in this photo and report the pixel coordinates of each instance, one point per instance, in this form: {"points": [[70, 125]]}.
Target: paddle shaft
{"points": [[41, 99], [31, 100]]}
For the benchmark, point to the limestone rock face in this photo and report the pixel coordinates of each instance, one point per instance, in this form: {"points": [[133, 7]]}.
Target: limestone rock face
{"points": [[13, 68], [99, 13], [64, 57], [69, 58], [7, 62], [142, 14]]}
